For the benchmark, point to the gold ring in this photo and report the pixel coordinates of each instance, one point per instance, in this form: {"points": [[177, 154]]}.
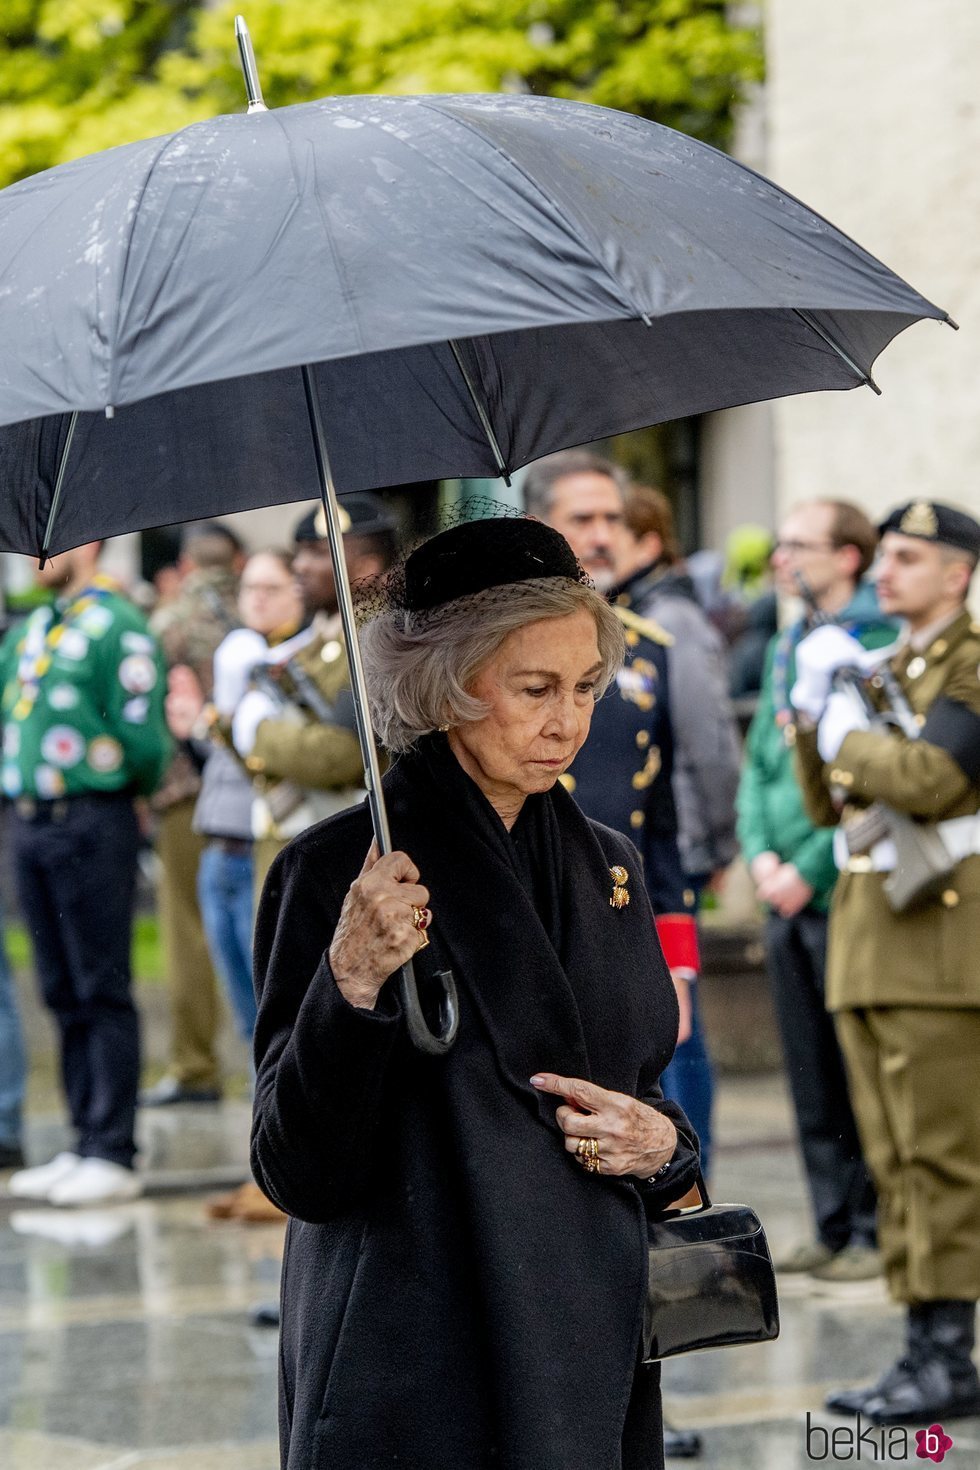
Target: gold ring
{"points": [[587, 1150], [420, 918]]}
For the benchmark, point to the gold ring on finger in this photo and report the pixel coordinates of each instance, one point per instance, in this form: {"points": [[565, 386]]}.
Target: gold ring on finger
{"points": [[420, 918], [587, 1150]]}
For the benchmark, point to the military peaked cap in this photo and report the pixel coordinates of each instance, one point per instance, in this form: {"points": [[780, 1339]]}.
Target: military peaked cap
{"points": [[930, 520], [361, 514]]}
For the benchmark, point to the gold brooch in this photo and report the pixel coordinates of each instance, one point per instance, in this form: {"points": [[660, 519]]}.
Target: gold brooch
{"points": [[619, 898], [919, 520]]}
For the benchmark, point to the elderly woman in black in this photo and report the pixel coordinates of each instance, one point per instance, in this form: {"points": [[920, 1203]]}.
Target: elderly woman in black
{"points": [[466, 1262]]}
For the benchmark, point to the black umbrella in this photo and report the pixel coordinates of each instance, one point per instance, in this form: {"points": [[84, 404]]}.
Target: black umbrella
{"points": [[366, 291]]}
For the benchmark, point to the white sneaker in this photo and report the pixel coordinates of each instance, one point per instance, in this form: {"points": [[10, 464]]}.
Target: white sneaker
{"points": [[96, 1182], [37, 1183]]}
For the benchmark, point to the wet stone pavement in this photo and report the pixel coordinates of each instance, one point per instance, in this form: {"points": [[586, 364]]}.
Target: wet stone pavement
{"points": [[125, 1340]]}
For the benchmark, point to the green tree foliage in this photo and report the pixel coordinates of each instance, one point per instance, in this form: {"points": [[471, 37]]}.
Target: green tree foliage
{"points": [[80, 75]]}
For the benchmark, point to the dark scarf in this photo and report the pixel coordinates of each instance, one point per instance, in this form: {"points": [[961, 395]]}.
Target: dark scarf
{"points": [[532, 848]]}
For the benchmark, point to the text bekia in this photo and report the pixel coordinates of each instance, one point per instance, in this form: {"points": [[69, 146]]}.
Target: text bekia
{"points": [[873, 1444]]}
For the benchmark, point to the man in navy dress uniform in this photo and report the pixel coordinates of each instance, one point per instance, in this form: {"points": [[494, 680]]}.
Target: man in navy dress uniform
{"points": [[622, 776]]}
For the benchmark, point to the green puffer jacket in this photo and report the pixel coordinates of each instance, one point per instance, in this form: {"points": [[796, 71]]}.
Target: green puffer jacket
{"points": [[771, 815]]}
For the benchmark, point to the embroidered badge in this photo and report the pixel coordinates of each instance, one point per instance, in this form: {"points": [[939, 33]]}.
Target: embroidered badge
{"points": [[619, 898], [105, 754], [62, 746], [137, 673], [48, 783]]}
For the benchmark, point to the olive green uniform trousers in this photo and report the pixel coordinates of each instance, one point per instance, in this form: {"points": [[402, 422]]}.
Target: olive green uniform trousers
{"points": [[195, 1005], [914, 1075]]}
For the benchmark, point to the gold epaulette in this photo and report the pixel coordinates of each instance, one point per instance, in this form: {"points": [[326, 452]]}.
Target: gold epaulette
{"points": [[646, 627]]}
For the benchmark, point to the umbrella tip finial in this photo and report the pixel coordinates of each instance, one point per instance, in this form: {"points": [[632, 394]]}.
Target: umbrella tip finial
{"points": [[950, 323], [250, 71]]}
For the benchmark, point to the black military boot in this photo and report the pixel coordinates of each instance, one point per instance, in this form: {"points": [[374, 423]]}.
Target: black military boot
{"points": [[943, 1383], [897, 1378]]}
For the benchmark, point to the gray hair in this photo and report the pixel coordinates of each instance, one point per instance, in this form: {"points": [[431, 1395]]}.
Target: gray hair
{"points": [[542, 477], [419, 668]]}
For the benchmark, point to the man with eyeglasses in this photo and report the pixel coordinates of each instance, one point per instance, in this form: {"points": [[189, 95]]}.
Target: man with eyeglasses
{"points": [[824, 549]]}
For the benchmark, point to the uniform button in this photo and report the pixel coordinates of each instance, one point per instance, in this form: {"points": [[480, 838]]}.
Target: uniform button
{"points": [[950, 898], [632, 638], [331, 651], [939, 647], [637, 819], [643, 738], [916, 667], [920, 720], [254, 763]]}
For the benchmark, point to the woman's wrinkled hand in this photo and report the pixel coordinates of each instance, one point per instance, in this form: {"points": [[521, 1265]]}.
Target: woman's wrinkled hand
{"points": [[633, 1137], [376, 931]]}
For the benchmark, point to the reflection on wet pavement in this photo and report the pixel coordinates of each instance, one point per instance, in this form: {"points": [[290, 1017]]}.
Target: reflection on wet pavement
{"points": [[125, 1341]]}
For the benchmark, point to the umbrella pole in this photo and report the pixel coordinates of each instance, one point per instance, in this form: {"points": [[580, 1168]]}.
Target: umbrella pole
{"points": [[418, 1029]]}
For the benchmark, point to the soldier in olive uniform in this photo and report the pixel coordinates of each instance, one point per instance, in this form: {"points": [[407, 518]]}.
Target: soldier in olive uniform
{"points": [[903, 976], [296, 731], [190, 626]]}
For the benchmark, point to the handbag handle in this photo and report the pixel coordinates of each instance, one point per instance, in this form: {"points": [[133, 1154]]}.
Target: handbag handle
{"points": [[702, 1189]]}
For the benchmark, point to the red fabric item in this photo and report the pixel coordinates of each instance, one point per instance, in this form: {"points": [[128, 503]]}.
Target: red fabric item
{"points": [[678, 937]]}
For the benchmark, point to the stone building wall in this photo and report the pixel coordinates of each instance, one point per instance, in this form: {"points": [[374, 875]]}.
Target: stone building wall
{"points": [[873, 117]]}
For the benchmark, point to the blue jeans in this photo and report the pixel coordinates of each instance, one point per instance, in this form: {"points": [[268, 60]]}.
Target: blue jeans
{"points": [[689, 1081], [224, 890], [13, 1069]]}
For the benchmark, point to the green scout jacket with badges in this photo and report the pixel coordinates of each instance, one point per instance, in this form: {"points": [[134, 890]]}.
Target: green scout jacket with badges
{"points": [[83, 686], [929, 954]]}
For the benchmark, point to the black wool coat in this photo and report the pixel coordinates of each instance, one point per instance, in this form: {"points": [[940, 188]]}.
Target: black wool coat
{"points": [[457, 1292]]}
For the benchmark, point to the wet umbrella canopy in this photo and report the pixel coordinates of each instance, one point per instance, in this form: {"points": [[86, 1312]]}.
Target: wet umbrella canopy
{"points": [[367, 291], [478, 281]]}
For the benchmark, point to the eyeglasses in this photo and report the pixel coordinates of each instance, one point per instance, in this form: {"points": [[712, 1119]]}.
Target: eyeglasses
{"points": [[796, 548]]}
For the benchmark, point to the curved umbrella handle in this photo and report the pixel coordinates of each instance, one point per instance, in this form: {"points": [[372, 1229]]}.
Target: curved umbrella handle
{"points": [[433, 1043]]}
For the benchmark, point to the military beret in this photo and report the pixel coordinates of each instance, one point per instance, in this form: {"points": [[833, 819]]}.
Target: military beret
{"points": [[478, 555], [361, 514], [930, 520]]}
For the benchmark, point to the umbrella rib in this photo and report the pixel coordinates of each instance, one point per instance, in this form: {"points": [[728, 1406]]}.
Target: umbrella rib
{"points": [[58, 484], [481, 412], [815, 326]]}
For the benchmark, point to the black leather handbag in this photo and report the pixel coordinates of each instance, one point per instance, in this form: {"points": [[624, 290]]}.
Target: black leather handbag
{"points": [[712, 1282]]}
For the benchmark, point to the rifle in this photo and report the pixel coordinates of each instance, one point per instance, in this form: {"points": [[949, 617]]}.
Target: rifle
{"points": [[285, 797], [923, 863], [268, 678]]}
